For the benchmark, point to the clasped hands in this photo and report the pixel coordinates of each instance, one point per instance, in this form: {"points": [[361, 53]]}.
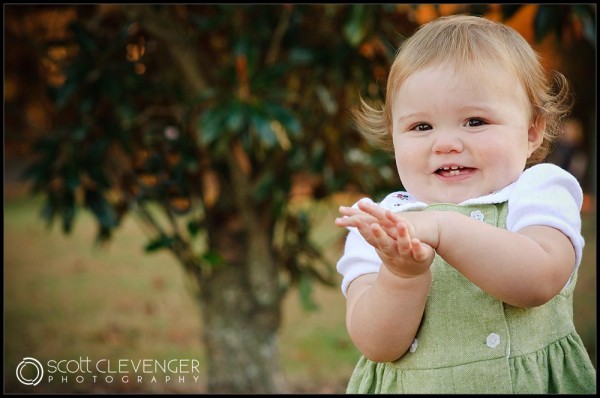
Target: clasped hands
{"points": [[392, 235]]}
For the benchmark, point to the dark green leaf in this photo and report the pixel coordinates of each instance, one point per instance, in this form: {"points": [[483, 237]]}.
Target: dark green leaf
{"points": [[101, 209], [211, 125], [49, 210], [262, 125], [194, 226], [508, 10], [212, 258], [162, 242], [547, 20], [587, 16], [111, 88], [265, 185], [62, 94], [305, 292], [67, 207], [356, 28], [85, 40], [479, 9], [236, 117], [284, 116], [71, 176], [301, 56], [269, 79], [104, 234]]}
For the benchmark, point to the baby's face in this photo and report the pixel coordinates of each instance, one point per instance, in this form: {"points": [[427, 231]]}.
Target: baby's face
{"points": [[459, 135]]}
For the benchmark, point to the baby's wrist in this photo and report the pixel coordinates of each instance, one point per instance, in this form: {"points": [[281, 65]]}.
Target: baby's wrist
{"points": [[394, 279]]}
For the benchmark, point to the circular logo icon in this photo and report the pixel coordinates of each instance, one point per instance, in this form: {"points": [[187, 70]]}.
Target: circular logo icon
{"points": [[27, 376]]}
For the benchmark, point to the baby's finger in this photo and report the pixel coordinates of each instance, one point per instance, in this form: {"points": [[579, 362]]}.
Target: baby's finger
{"points": [[363, 228], [392, 217], [380, 239], [354, 212], [420, 251], [349, 211], [384, 217], [372, 209], [403, 240], [353, 221]]}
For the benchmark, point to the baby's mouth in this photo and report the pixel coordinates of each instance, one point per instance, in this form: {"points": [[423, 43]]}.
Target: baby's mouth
{"points": [[450, 171]]}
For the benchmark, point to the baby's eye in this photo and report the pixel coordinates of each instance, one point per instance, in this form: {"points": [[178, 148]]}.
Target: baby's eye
{"points": [[475, 122], [421, 127]]}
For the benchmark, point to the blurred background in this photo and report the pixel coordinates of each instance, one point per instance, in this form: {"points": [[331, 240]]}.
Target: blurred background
{"points": [[172, 173]]}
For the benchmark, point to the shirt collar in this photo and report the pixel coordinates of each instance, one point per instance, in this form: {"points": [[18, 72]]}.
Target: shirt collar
{"points": [[403, 201]]}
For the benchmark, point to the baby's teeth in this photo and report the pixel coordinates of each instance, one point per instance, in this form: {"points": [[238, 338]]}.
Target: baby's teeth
{"points": [[453, 170]]}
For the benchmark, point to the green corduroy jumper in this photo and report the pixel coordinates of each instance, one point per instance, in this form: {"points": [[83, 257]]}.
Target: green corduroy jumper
{"points": [[471, 343]]}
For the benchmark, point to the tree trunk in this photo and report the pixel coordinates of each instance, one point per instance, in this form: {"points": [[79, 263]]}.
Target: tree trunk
{"points": [[240, 327], [240, 338], [241, 299]]}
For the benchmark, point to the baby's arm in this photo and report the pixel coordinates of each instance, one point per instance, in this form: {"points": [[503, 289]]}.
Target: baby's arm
{"points": [[524, 268], [384, 310]]}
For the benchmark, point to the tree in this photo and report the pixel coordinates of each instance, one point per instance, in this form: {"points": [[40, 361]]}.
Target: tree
{"points": [[202, 119]]}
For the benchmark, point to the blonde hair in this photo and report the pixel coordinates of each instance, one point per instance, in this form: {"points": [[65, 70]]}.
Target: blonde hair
{"points": [[474, 42]]}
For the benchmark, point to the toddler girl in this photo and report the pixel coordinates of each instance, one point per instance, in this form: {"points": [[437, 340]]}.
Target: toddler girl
{"points": [[463, 282]]}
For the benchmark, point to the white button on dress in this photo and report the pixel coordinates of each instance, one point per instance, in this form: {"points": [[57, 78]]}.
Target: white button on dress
{"points": [[413, 346], [493, 340], [477, 215]]}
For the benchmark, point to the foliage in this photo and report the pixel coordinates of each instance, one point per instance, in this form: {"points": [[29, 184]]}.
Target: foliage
{"points": [[132, 129], [131, 133]]}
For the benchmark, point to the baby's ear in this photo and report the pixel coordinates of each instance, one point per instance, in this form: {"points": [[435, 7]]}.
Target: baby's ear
{"points": [[535, 134]]}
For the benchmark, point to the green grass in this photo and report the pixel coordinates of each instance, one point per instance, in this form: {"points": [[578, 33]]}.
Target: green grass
{"points": [[65, 298]]}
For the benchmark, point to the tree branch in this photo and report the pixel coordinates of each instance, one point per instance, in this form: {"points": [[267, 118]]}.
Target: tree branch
{"points": [[282, 25], [163, 26]]}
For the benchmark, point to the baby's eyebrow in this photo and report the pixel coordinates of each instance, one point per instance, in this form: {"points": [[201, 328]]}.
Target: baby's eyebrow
{"points": [[476, 108], [410, 115]]}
